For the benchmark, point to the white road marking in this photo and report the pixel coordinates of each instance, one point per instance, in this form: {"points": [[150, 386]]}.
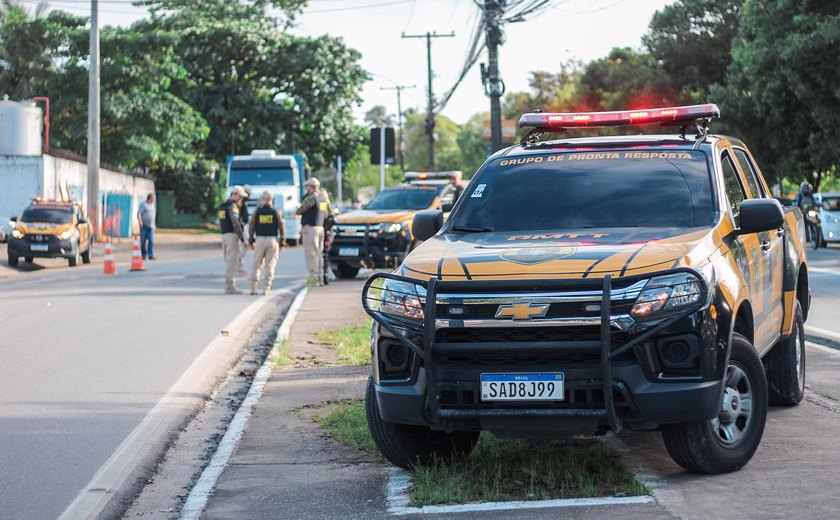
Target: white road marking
{"points": [[827, 350], [200, 493], [399, 483], [830, 334], [824, 270], [114, 474]]}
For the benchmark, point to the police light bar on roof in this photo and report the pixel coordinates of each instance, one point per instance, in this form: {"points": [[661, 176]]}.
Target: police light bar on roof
{"points": [[552, 121]]}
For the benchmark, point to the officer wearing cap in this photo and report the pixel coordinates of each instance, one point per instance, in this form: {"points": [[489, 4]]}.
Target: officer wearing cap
{"points": [[267, 234], [230, 224], [313, 212]]}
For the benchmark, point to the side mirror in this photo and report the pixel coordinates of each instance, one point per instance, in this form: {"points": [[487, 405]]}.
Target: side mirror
{"points": [[426, 224], [82, 221], [446, 207], [761, 215], [13, 219]]}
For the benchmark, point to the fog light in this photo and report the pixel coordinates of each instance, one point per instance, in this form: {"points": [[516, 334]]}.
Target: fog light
{"points": [[396, 357], [678, 351], [675, 353]]}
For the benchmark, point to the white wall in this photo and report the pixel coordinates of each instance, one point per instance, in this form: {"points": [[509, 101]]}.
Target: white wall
{"points": [[22, 178]]}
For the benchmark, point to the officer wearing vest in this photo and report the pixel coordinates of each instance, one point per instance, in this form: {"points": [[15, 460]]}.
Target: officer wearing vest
{"points": [[230, 225], [267, 234], [313, 211]]}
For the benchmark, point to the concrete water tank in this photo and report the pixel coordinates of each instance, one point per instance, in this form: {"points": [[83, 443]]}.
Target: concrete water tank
{"points": [[20, 127]]}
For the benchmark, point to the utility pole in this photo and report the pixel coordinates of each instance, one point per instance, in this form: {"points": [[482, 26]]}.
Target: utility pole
{"points": [[430, 113], [494, 88], [94, 213], [399, 89]]}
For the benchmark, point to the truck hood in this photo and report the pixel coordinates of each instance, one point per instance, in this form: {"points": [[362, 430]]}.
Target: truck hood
{"points": [[366, 216], [42, 228], [567, 254]]}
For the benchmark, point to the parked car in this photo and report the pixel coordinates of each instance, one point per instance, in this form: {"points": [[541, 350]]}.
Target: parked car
{"points": [[6, 226], [828, 215], [50, 228]]}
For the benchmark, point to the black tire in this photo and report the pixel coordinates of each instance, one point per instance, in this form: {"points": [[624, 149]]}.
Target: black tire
{"points": [[406, 445], [345, 271], [74, 260], [86, 254], [13, 261], [28, 259], [727, 442], [786, 366], [292, 242], [815, 237]]}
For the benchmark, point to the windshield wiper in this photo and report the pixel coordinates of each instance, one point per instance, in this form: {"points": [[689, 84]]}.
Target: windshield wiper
{"points": [[472, 229]]}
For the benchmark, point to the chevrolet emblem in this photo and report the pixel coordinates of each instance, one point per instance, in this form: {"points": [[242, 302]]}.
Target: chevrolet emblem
{"points": [[522, 311]]}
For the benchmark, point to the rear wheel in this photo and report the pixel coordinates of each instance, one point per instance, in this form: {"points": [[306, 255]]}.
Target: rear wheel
{"points": [[786, 365], [28, 259], [345, 271], [406, 445], [292, 242], [13, 261], [727, 442]]}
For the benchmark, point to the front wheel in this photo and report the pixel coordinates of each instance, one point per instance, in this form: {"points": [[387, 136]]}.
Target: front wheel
{"points": [[407, 446], [292, 242], [13, 261], [86, 254], [74, 260], [728, 441], [786, 365], [815, 237]]}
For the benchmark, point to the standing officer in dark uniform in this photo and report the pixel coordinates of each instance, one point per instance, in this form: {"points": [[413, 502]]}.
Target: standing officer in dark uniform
{"points": [[313, 211], [270, 230], [230, 225]]}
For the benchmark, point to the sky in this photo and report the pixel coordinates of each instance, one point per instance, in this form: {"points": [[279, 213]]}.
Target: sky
{"points": [[568, 30]]}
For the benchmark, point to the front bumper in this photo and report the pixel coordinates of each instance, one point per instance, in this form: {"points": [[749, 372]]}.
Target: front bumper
{"points": [[49, 247], [612, 377], [367, 247]]}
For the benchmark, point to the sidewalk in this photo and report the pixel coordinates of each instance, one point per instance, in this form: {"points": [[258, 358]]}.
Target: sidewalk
{"points": [[286, 466]]}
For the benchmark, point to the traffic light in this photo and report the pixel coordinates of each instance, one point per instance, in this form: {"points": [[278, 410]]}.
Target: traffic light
{"points": [[375, 146]]}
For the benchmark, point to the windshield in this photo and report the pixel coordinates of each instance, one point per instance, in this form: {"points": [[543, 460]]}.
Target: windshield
{"points": [[831, 203], [616, 188], [47, 215], [262, 176], [403, 199]]}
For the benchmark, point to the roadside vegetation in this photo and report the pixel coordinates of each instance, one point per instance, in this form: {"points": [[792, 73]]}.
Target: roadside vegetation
{"points": [[500, 469], [351, 344]]}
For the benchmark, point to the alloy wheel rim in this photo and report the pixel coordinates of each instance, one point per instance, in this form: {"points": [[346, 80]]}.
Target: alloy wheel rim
{"points": [[736, 413]]}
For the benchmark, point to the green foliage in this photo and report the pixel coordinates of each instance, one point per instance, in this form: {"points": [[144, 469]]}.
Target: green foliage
{"points": [[351, 344], [692, 39], [781, 92]]}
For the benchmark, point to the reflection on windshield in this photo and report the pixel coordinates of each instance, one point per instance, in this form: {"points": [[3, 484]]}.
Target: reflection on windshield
{"points": [[403, 199], [47, 216], [831, 203], [262, 176], [591, 190]]}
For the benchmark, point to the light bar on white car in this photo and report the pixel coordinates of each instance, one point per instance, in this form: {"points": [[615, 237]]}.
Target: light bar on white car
{"points": [[553, 121]]}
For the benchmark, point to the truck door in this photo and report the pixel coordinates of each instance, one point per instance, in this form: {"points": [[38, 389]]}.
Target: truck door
{"points": [[770, 259]]}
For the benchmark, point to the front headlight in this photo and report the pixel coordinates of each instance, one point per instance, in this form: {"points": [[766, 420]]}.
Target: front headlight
{"points": [[402, 299], [812, 214], [669, 292], [67, 235], [394, 227], [17, 234]]}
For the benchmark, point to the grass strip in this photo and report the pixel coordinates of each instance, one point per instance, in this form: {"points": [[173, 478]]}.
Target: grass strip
{"points": [[502, 469], [283, 359], [351, 344]]}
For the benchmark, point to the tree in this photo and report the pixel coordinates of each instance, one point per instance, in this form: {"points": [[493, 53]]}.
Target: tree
{"points": [[781, 91], [692, 39]]}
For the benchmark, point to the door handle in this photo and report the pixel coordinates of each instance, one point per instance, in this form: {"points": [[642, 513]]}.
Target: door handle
{"points": [[765, 246], [781, 232]]}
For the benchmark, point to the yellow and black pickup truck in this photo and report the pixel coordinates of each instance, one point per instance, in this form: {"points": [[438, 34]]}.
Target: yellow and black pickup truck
{"points": [[50, 228], [586, 285], [380, 234]]}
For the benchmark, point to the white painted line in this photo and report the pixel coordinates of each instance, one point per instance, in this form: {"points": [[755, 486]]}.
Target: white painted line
{"points": [[823, 270], [830, 334], [200, 493], [827, 350], [115, 473], [399, 483]]}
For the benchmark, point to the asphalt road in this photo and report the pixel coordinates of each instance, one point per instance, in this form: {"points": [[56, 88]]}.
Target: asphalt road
{"points": [[85, 358], [824, 277]]}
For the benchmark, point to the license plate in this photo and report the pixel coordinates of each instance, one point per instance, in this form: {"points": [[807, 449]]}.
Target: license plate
{"points": [[40, 247], [522, 387], [348, 251]]}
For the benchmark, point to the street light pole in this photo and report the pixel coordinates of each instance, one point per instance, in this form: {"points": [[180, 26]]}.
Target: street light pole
{"points": [[430, 113], [94, 212]]}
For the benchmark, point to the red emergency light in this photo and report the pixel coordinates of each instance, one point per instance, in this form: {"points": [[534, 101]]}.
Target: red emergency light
{"points": [[552, 121]]}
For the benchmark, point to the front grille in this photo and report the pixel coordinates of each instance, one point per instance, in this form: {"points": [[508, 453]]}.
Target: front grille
{"points": [[517, 335]]}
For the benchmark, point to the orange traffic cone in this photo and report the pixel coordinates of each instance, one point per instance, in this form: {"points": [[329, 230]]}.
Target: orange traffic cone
{"points": [[110, 266], [136, 257]]}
